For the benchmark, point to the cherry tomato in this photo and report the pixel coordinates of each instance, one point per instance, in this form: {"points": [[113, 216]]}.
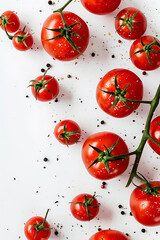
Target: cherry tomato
{"points": [[109, 235], [45, 88], [146, 207], [37, 228], [22, 40], [130, 23], [10, 20], [98, 148], [145, 53], [111, 104], [84, 207], [67, 132], [60, 48], [155, 134], [100, 7]]}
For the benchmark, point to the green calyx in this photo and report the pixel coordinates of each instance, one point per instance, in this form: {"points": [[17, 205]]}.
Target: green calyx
{"points": [[66, 31], [88, 203], [41, 225], [21, 37], [120, 95], [149, 189], [66, 135], [148, 48], [105, 156], [129, 21], [40, 84]]}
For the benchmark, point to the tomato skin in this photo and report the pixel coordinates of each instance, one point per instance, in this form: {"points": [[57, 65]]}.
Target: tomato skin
{"points": [[155, 133], [139, 28], [140, 60], [13, 19], [60, 48], [43, 95], [99, 170], [101, 7], [146, 208], [20, 46], [31, 232], [109, 235], [79, 212], [71, 126], [134, 92]]}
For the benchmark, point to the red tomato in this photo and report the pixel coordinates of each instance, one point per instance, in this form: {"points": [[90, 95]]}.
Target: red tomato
{"points": [[23, 41], [130, 23], [84, 207], [102, 141], [155, 134], [60, 48], [67, 132], [10, 20], [146, 207], [134, 92], [37, 228], [45, 88], [109, 235], [139, 56], [100, 7]]}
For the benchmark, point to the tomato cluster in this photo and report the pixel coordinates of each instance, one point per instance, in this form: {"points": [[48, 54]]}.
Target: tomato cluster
{"points": [[65, 36], [10, 23]]}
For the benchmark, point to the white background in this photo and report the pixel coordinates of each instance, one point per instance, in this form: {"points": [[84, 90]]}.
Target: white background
{"points": [[26, 124]]}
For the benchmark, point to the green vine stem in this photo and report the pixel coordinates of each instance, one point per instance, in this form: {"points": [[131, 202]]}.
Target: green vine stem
{"points": [[138, 152], [145, 136]]}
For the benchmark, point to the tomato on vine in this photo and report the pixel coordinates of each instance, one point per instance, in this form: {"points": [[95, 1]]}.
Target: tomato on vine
{"points": [[9, 21], [155, 134], [109, 235], [84, 207], [37, 228], [98, 153], [119, 92], [101, 7], [22, 40], [145, 53], [145, 203], [130, 23], [64, 35], [67, 132], [45, 87]]}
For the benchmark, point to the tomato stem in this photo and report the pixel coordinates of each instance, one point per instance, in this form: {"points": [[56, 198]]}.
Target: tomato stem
{"points": [[120, 96], [65, 5], [87, 203], [66, 135], [66, 31], [128, 21], [148, 48]]}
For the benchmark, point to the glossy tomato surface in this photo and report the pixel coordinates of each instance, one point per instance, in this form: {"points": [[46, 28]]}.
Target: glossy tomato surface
{"points": [[79, 211], [100, 140], [60, 48], [13, 21], [134, 92], [30, 231], [100, 7], [20, 45], [109, 235], [155, 134], [71, 127], [145, 207], [44, 95], [138, 24], [140, 59]]}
